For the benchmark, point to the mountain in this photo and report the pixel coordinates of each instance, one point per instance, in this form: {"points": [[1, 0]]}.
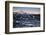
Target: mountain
{"points": [[26, 20]]}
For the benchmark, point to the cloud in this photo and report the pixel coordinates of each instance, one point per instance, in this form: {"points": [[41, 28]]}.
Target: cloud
{"points": [[27, 12]]}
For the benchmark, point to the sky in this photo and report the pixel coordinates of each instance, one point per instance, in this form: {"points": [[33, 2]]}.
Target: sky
{"points": [[26, 10]]}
